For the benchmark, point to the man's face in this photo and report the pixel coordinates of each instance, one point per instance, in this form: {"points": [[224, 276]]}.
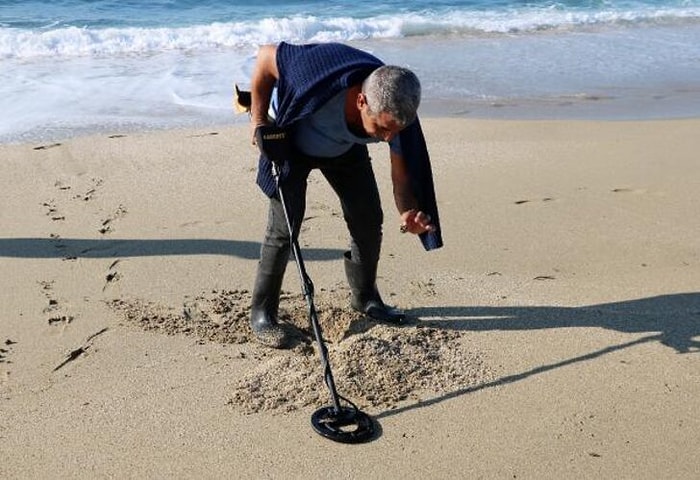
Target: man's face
{"points": [[381, 126]]}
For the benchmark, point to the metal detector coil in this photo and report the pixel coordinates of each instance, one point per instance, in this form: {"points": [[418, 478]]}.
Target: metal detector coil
{"points": [[348, 425]]}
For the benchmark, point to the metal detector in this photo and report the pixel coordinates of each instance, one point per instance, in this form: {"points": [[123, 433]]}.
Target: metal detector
{"points": [[340, 423]]}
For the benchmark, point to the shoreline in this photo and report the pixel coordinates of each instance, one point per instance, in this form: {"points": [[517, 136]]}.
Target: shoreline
{"points": [[566, 296], [628, 72], [647, 106], [576, 108]]}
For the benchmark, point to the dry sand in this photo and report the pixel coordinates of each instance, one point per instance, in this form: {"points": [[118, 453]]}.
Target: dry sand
{"points": [[556, 335]]}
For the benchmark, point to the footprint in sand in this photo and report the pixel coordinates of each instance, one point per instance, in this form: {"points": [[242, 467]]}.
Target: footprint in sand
{"points": [[112, 275], [52, 210], [59, 245], [46, 147], [54, 311], [60, 319], [95, 183], [544, 278], [6, 350], [107, 223], [545, 199], [628, 190], [51, 206], [425, 288], [199, 135], [61, 186]]}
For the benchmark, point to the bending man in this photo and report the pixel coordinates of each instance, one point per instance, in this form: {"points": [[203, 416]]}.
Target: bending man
{"points": [[334, 100]]}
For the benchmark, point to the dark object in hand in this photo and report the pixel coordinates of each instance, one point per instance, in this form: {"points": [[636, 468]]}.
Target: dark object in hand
{"points": [[273, 142]]}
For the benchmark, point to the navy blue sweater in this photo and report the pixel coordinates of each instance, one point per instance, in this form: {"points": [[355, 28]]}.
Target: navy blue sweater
{"points": [[309, 76]]}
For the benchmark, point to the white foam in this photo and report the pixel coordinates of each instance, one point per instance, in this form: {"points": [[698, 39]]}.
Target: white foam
{"points": [[74, 41], [62, 82]]}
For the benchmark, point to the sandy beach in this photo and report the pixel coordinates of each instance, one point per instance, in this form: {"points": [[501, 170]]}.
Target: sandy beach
{"points": [[555, 336]]}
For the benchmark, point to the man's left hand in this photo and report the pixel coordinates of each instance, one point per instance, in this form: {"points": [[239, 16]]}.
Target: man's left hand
{"points": [[415, 221]]}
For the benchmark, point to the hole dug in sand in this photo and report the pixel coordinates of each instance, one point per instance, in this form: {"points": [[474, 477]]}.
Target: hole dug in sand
{"points": [[374, 365]]}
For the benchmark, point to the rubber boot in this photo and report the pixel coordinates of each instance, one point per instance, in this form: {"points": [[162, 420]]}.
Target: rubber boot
{"points": [[265, 301], [365, 296]]}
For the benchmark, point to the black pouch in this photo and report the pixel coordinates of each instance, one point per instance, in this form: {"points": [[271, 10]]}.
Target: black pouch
{"points": [[274, 143]]}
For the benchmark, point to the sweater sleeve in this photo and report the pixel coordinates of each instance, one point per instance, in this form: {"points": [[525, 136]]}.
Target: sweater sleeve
{"points": [[415, 154]]}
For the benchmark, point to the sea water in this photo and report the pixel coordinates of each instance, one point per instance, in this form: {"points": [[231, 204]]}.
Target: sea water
{"points": [[72, 67]]}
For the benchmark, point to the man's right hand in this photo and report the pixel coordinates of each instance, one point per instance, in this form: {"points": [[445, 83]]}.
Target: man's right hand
{"points": [[254, 132], [273, 142]]}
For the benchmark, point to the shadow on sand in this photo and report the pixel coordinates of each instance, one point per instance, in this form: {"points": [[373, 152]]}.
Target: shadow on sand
{"points": [[112, 248], [673, 320]]}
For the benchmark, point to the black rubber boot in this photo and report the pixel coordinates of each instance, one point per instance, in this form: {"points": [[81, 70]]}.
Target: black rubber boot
{"points": [[365, 296], [266, 298]]}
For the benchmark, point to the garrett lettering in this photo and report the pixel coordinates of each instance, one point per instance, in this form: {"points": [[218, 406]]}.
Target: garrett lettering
{"points": [[274, 136]]}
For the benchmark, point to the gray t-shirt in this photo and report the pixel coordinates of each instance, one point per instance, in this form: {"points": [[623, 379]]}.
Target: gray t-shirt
{"points": [[326, 134]]}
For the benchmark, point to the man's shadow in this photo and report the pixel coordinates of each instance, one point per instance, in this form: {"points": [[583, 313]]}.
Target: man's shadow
{"points": [[71, 248], [673, 320]]}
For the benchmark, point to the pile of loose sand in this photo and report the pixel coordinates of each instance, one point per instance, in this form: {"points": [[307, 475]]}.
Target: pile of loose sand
{"points": [[220, 316], [373, 365]]}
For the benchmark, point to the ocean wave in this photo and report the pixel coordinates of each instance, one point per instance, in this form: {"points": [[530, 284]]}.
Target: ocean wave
{"points": [[74, 41]]}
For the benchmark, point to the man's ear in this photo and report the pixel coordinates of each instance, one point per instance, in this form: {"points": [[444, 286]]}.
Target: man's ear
{"points": [[361, 100]]}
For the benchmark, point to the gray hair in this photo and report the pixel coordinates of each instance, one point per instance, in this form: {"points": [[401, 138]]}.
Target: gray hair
{"points": [[393, 90]]}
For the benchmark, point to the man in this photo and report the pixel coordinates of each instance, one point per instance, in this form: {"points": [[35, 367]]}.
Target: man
{"points": [[334, 100]]}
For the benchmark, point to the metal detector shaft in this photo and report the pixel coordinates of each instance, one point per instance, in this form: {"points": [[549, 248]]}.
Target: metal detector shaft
{"points": [[308, 291], [340, 423]]}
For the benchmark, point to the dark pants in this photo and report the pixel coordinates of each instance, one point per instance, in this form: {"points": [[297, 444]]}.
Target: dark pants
{"points": [[352, 178]]}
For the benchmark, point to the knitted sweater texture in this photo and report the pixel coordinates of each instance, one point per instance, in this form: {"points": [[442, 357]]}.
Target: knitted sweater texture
{"points": [[309, 76]]}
